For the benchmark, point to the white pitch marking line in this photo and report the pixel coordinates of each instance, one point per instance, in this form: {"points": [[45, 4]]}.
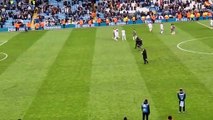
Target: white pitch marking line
{"points": [[205, 25], [3, 43], [191, 51], [5, 54]]}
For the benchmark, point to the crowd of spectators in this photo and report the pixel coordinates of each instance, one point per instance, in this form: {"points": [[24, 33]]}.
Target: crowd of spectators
{"points": [[56, 12], [17, 10], [78, 12]]}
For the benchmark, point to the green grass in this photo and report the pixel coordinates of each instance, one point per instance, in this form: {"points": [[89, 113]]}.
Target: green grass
{"points": [[83, 74]]}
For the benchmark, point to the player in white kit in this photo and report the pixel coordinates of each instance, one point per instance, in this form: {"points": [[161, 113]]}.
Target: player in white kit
{"points": [[150, 26], [161, 28], [115, 34], [211, 22], [123, 33]]}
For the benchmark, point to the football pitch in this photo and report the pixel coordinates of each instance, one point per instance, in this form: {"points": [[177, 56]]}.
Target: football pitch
{"points": [[83, 74]]}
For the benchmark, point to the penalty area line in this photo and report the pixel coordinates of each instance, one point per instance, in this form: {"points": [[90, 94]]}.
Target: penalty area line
{"points": [[205, 25]]}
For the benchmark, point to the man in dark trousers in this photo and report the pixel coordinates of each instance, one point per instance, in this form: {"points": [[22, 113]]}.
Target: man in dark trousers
{"points": [[181, 97], [125, 118], [170, 117], [138, 43], [145, 110], [144, 54]]}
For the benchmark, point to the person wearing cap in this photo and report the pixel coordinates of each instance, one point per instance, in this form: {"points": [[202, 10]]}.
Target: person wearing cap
{"points": [[181, 97], [145, 110]]}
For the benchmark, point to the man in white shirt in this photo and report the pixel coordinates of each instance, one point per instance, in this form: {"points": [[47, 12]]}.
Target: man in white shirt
{"points": [[161, 28], [123, 32], [117, 33], [150, 26], [113, 33], [211, 22]]}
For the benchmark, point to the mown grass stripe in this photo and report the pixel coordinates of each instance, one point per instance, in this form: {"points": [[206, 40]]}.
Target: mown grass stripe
{"points": [[65, 91], [18, 43], [21, 80], [116, 87]]}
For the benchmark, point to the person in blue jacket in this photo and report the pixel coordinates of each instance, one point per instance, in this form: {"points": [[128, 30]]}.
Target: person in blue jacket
{"points": [[181, 97], [145, 110]]}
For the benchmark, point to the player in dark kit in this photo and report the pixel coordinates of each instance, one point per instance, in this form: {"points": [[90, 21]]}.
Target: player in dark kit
{"points": [[170, 117], [181, 97], [144, 54], [125, 118], [138, 43]]}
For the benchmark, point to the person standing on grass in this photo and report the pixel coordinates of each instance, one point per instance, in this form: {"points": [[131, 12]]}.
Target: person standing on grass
{"points": [[138, 43], [145, 110], [134, 34], [211, 22], [123, 32], [170, 117], [161, 28], [150, 26], [117, 33], [181, 97], [172, 29], [144, 54], [125, 118], [114, 35]]}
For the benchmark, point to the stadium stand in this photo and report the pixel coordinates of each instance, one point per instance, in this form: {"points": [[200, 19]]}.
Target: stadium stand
{"points": [[57, 12]]}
